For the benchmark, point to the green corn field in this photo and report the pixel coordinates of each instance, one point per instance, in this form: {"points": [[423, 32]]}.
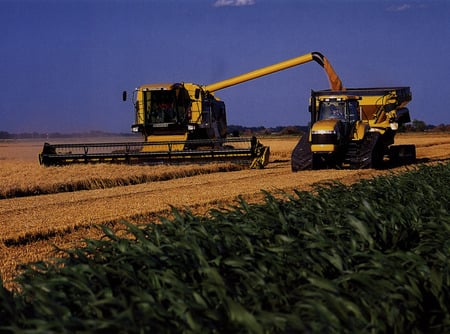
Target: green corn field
{"points": [[373, 257]]}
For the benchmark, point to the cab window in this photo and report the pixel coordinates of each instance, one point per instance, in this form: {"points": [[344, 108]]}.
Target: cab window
{"points": [[333, 109]]}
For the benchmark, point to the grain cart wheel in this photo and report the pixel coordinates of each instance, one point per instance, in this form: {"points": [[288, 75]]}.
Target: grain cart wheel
{"points": [[402, 154]]}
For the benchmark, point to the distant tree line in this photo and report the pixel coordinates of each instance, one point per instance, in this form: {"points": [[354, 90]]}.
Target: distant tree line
{"points": [[414, 126], [419, 126], [233, 130], [37, 135], [261, 130]]}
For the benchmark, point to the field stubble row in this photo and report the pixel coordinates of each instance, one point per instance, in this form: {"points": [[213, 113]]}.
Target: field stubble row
{"points": [[20, 174], [30, 226]]}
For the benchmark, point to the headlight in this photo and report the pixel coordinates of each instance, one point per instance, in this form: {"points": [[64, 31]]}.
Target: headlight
{"points": [[394, 126], [324, 132], [324, 137]]}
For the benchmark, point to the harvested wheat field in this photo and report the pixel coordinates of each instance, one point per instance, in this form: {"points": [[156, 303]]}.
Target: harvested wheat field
{"points": [[41, 208]]}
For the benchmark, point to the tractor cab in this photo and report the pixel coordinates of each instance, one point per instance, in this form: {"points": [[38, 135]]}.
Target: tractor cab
{"points": [[334, 121]]}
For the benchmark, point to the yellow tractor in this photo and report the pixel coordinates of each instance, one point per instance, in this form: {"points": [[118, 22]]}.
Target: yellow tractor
{"points": [[354, 128]]}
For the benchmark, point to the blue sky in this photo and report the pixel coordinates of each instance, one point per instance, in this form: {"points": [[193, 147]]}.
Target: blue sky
{"points": [[64, 63]]}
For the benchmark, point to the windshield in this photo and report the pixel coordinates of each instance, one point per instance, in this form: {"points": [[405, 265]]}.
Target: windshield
{"points": [[160, 106], [334, 109], [346, 111], [165, 106]]}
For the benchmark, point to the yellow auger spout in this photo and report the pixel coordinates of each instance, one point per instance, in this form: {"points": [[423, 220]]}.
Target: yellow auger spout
{"points": [[333, 78], [335, 82]]}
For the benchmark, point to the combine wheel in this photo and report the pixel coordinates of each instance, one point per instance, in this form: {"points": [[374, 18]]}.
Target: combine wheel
{"points": [[301, 158], [370, 154]]}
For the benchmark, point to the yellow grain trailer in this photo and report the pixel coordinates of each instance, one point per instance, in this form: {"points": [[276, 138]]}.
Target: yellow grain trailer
{"points": [[355, 128]]}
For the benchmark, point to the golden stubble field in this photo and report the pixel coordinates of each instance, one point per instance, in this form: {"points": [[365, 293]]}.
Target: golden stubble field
{"points": [[41, 208]]}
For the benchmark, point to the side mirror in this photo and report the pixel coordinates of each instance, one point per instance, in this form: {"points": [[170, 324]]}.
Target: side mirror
{"points": [[197, 93], [124, 95]]}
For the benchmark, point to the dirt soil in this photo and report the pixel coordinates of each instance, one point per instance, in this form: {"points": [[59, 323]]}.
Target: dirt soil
{"points": [[30, 227]]}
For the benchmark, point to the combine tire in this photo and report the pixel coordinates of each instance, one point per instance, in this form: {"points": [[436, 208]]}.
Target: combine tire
{"points": [[370, 154], [301, 158]]}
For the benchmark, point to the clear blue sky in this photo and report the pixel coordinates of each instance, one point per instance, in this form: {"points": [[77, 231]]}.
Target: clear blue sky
{"points": [[64, 63]]}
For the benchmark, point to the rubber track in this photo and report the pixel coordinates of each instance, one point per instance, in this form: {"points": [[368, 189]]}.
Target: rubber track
{"points": [[301, 158]]}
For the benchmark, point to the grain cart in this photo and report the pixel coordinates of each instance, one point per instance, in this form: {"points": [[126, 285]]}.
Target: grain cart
{"points": [[182, 123], [354, 128]]}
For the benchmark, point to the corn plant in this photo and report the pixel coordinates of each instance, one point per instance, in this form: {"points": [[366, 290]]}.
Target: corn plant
{"points": [[372, 257]]}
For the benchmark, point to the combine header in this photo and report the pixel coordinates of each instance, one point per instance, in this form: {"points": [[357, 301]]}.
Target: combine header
{"points": [[181, 123], [246, 151]]}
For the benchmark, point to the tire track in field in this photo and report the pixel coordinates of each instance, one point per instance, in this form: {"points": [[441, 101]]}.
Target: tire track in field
{"points": [[31, 226], [23, 217]]}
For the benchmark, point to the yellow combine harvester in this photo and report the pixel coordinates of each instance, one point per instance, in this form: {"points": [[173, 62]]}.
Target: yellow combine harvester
{"points": [[182, 123]]}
